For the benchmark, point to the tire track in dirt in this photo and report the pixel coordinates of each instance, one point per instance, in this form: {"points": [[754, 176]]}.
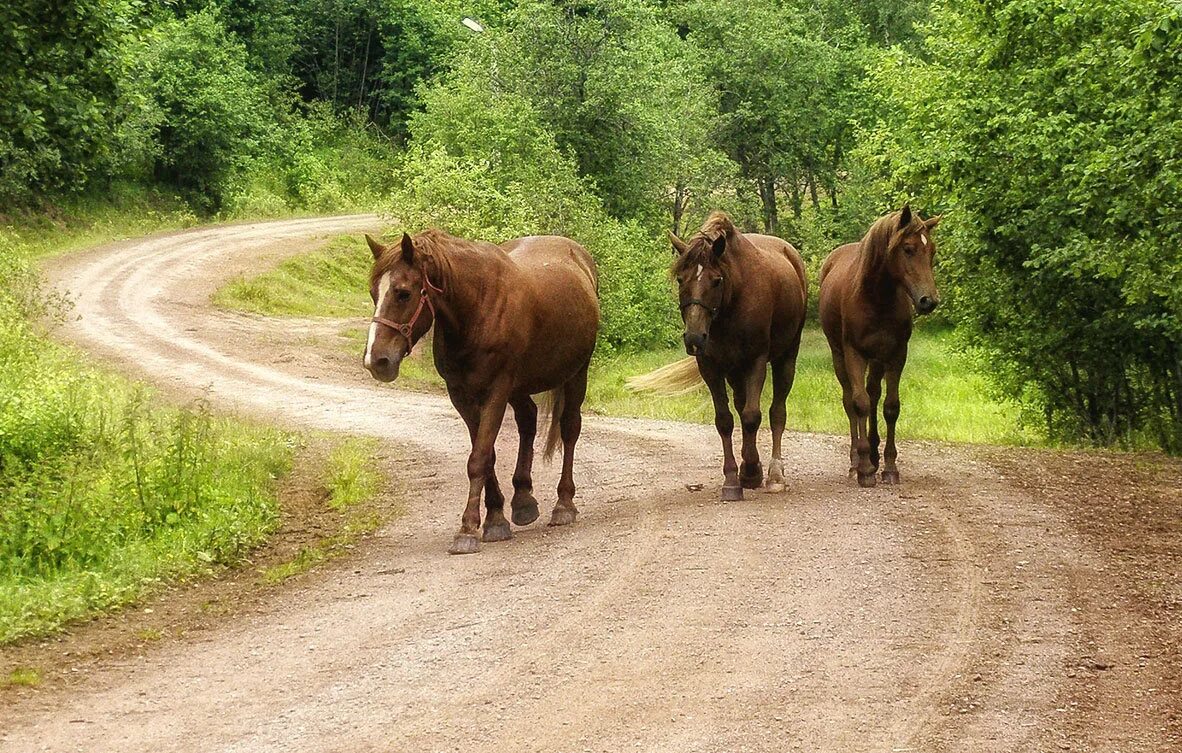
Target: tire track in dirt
{"points": [[825, 618]]}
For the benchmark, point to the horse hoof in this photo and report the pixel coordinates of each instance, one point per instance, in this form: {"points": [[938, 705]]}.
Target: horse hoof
{"points": [[465, 543], [867, 480], [525, 514], [496, 532], [563, 516], [775, 487], [732, 493], [890, 477]]}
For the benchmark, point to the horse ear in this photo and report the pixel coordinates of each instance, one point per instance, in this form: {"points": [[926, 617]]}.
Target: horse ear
{"points": [[377, 248], [408, 249], [931, 223], [679, 246], [905, 216], [719, 246]]}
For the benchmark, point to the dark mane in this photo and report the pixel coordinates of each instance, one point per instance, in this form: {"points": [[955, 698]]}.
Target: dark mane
{"points": [[700, 244], [432, 242]]}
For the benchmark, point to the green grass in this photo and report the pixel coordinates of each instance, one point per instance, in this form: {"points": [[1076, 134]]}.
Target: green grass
{"points": [[943, 396], [332, 281], [25, 677], [104, 494], [943, 392], [350, 483]]}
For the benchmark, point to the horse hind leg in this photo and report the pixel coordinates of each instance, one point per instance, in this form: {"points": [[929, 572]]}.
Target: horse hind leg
{"points": [[571, 424], [524, 505]]}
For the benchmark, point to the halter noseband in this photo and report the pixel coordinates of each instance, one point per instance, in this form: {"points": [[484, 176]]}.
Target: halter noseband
{"points": [[698, 302], [406, 329]]}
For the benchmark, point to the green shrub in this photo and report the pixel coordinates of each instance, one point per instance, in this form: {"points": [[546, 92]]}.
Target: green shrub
{"points": [[101, 495]]}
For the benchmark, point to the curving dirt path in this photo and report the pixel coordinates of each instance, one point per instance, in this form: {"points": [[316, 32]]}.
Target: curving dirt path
{"points": [[958, 612]]}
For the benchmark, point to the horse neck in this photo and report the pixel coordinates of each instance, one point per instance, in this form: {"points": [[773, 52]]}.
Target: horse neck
{"points": [[469, 278], [874, 283]]}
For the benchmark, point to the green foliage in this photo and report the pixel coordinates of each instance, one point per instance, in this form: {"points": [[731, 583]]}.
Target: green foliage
{"points": [[100, 495], [56, 93], [212, 112], [1050, 132], [483, 164]]}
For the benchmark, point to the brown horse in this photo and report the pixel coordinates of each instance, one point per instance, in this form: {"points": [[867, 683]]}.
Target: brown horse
{"points": [[868, 290], [511, 321], [742, 300]]}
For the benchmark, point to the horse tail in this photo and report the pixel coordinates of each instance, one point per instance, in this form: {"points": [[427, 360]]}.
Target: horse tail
{"points": [[555, 400], [675, 378]]}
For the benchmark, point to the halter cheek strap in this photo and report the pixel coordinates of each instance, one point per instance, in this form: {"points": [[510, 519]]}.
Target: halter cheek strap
{"points": [[407, 329]]}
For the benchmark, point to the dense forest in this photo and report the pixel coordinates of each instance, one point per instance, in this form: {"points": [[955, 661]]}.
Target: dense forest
{"points": [[1045, 131]]}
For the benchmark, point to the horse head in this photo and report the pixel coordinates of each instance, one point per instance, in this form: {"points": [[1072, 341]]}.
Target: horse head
{"points": [[909, 254], [403, 310], [700, 268]]}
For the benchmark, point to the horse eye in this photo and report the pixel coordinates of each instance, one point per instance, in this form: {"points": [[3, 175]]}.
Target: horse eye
{"points": [[717, 281], [403, 295]]}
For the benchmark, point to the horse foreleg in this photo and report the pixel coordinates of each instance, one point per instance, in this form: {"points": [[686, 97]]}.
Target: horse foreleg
{"points": [[724, 422], [750, 416], [571, 424], [525, 506], [856, 366], [480, 466], [890, 413], [783, 374], [847, 402], [874, 391]]}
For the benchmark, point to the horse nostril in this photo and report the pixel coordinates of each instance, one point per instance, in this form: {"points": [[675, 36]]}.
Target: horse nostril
{"points": [[381, 363], [927, 304]]}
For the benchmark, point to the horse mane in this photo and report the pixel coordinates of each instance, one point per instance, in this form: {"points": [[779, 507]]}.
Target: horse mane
{"points": [[432, 243], [881, 240], [701, 244]]}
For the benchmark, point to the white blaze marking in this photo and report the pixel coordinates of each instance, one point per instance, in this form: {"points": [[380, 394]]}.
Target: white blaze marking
{"points": [[383, 291], [699, 272], [924, 238]]}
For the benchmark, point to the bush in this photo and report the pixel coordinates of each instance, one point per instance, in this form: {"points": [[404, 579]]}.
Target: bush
{"points": [[207, 112], [1049, 131], [101, 496]]}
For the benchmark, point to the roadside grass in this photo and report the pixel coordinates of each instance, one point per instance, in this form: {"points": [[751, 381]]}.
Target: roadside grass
{"points": [[944, 393], [351, 483], [104, 495], [25, 677]]}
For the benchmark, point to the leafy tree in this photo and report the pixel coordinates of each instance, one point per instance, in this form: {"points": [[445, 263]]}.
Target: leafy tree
{"points": [[211, 112], [56, 92], [1049, 131]]}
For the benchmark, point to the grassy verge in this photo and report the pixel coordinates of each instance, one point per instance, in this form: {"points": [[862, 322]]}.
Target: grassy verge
{"points": [[944, 395], [104, 494], [351, 484]]}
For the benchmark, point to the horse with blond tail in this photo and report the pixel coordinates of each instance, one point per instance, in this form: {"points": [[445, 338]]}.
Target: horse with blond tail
{"points": [[742, 298]]}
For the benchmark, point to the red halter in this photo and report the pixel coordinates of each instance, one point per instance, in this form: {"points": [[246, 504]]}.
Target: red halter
{"points": [[406, 329]]}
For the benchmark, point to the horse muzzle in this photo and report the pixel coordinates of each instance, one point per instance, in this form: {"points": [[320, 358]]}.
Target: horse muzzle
{"points": [[384, 369], [926, 304], [695, 344]]}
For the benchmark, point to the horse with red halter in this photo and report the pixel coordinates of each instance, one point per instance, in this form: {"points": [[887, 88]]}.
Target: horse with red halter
{"points": [[511, 321], [868, 290], [742, 299]]}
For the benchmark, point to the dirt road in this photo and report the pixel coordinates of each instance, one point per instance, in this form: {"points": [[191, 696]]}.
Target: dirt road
{"points": [[965, 610]]}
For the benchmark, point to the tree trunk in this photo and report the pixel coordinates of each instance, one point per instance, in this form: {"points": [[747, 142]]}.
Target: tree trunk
{"points": [[680, 202], [767, 194], [797, 203], [812, 181]]}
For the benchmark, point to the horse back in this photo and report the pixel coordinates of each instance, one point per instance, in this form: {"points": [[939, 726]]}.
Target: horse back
{"points": [[770, 244]]}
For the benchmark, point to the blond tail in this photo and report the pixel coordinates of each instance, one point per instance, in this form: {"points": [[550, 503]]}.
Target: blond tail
{"points": [[553, 402], [676, 378]]}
